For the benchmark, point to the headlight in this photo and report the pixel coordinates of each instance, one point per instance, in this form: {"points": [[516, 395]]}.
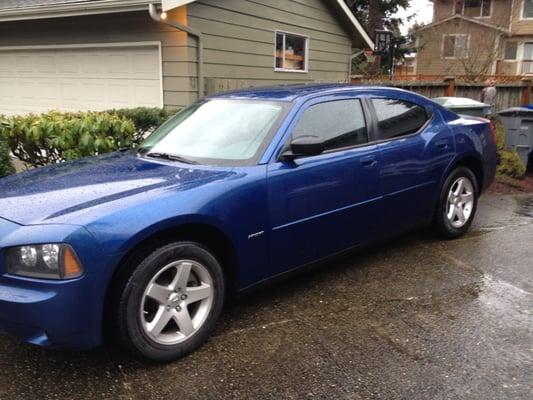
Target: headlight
{"points": [[46, 261]]}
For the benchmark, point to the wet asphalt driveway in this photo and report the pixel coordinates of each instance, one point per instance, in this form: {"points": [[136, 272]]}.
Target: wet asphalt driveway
{"points": [[415, 318]]}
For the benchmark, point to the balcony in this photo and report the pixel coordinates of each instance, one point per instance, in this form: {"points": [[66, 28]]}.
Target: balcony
{"points": [[526, 67], [514, 67]]}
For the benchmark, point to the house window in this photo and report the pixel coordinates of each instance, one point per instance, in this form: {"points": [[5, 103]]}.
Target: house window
{"points": [[510, 51], [528, 9], [291, 52], [455, 46], [473, 8]]}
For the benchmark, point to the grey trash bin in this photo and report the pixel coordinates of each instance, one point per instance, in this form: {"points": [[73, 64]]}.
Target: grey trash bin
{"points": [[518, 123], [464, 105]]}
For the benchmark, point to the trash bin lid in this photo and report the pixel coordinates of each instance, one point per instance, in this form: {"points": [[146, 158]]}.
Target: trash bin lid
{"points": [[516, 111], [459, 102]]}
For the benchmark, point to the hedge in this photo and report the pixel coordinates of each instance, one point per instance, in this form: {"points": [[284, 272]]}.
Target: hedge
{"points": [[53, 137], [6, 167], [44, 139], [145, 119]]}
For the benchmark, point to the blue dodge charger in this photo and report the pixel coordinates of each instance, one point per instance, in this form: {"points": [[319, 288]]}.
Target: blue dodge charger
{"points": [[238, 189]]}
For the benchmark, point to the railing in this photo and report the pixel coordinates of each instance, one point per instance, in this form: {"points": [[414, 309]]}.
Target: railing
{"points": [[527, 66]]}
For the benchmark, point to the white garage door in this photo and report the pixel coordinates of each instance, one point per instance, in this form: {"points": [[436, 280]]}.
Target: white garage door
{"points": [[73, 79]]}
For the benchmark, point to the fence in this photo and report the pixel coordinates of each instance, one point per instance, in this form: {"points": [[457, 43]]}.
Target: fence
{"points": [[511, 92]]}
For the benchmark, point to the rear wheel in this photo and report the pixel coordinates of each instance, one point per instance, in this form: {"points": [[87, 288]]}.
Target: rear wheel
{"points": [[171, 302], [457, 203]]}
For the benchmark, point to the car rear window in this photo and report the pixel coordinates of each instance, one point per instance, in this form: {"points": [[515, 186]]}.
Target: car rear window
{"points": [[398, 118]]}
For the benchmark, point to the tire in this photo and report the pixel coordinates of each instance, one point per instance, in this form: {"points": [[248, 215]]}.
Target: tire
{"points": [[455, 211], [170, 304]]}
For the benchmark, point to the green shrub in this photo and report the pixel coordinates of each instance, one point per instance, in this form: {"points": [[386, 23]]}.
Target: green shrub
{"points": [[49, 138], [510, 163], [145, 119], [6, 168]]}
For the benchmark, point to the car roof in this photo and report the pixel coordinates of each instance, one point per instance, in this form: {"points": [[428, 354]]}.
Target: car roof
{"points": [[293, 92]]}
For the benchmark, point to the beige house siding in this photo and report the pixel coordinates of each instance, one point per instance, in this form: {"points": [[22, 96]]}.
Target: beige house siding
{"points": [[430, 60], [442, 9], [239, 40]]}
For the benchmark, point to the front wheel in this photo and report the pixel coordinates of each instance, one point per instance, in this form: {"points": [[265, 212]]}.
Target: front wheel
{"points": [[171, 302], [457, 203]]}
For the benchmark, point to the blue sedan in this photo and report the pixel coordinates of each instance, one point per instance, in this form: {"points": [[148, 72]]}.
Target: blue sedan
{"points": [[238, 189]]}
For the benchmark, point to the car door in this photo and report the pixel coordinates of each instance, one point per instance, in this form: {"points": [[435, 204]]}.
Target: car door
{"points": [[416, 146], [321, 204]]}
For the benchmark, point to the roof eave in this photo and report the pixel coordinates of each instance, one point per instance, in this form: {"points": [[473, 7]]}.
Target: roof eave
{"points": [[356, 24], [457, 16], [72, 10]]}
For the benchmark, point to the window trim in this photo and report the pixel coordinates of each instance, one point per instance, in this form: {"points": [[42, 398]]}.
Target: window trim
{"points": [[480, 9], [306, 60], [455, 35], [375, 126], [522, 9]]}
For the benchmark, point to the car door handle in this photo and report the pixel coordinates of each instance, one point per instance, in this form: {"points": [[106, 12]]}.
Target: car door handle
{"points": [[369, 161], [442, 144]]}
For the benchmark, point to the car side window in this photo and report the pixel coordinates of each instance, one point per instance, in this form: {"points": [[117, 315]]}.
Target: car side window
{"points": [[398, 118], [339, 123]]}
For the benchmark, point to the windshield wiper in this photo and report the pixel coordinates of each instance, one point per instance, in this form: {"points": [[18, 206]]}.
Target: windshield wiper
{"points": [[171, 157]]}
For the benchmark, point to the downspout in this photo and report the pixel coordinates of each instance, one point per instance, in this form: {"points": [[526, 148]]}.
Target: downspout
{"points": [[156, 16]]}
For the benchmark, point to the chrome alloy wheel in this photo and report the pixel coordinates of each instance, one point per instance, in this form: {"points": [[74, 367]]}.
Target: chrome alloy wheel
{"points": [[176, 302], [460, 202]]}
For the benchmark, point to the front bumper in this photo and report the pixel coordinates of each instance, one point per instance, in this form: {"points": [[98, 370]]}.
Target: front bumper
{"points": [[46, 314], [62, 314]]}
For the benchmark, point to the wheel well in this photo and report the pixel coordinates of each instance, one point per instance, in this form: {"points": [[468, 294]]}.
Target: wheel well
{"points": [[475, 165], [206, 235]]}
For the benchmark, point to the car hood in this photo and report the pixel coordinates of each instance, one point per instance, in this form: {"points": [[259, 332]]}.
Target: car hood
{"points": [[50, 194]]}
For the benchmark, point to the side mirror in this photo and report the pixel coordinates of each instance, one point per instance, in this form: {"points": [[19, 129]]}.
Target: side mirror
{"points": [[304, 146]]}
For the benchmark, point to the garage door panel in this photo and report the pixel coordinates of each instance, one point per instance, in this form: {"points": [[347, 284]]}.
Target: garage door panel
{"points": [[67, 62], [45, 64], [92, 63], [69, 91], [7, 65], [79, 79], [24, 64], [118, 64], [94, 91], [120, 93]]}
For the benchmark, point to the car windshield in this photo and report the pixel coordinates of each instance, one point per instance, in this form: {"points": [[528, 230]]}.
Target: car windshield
{"points": [[218, 131]]}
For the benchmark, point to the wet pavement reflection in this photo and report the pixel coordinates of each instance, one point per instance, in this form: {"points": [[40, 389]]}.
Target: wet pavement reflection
{"points": [[414, 318]]}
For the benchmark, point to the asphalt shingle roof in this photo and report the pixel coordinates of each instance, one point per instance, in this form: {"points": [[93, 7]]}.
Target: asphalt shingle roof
{"points": [[13, 4]]}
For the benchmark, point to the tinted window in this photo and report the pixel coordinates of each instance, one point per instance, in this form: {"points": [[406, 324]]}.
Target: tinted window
{"points": [[338, 123], [398, 117]]}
